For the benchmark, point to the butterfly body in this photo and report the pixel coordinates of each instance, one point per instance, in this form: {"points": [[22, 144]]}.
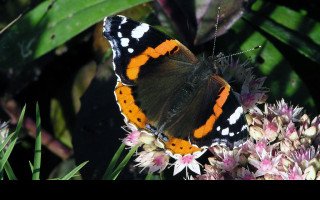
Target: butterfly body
{"points": [[166, 91]]}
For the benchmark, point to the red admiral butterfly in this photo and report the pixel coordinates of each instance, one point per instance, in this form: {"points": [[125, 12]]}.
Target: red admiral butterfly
{"points": [[163, 89]]}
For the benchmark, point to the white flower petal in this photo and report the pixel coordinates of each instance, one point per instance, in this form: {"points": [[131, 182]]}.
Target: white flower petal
{"points": [[194, 166], [254, 162], [178, 167]]}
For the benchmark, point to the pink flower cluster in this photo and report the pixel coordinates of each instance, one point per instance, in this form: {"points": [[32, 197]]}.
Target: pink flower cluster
{"points": [[283, 145]]}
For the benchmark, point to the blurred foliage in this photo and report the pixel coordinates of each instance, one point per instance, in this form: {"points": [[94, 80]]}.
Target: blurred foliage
{"points": [[53, 52]]}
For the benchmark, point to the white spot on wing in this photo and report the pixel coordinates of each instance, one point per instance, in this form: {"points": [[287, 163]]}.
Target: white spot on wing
{"points": [[119, 34], [130, 50], [225, 131], [235, 116], [124, 42], [244, 127], [139, 31]]}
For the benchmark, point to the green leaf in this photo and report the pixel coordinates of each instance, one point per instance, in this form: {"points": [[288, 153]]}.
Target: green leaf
{"points": [[113, 162], [37, 150], [74, 171], [5, 157], [291, 19], [123, 163], [51, 24], [289, 33], [8, 169], [112, 176]]}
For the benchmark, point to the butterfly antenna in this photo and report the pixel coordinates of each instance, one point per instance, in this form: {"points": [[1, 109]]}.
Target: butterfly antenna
{"points": [[215, 32], [242, 52]]}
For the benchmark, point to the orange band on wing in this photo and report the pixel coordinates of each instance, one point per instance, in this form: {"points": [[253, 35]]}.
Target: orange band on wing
{"points": [[128, 107], [180, 146], [217, 111], [136, 62]]}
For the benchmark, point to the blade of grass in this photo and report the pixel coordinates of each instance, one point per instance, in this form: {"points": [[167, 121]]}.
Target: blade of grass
{"points": [[74, 171], [9, 171], [4, 159], [31, 166], [37, 153], [113, 162], [123, 163]]}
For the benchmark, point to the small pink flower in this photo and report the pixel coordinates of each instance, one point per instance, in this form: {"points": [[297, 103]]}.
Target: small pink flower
{"points": [[267, 164], [187, 159], [282, 109], [248, 100], [244, 174], [294, 176], [132, 138], [303, 154], [295, 173], [211, 174], [260, 146], [257, 83], [229, 160], [229, 163], [290, 132], [270, 130], [186, 162], [159, 162]]}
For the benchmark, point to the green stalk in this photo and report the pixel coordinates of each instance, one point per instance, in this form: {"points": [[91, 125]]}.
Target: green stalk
{"points": [[37, 153]]}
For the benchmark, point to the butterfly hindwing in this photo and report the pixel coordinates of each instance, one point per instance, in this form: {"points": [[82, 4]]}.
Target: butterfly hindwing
{"points": [[226, 123]]}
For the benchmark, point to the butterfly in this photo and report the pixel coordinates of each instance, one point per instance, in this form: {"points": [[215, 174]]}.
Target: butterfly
{"points": [[164, 90]]}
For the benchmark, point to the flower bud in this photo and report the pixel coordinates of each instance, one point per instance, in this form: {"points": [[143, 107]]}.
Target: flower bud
{"points": [[146, 138], [149, 147], [256, 132], [305, 118], [310, 172], [286, 163], [315, 162], [316, 122], [249, 119], [293, 136], [286, 146], [311, 132], [270, 130]]}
